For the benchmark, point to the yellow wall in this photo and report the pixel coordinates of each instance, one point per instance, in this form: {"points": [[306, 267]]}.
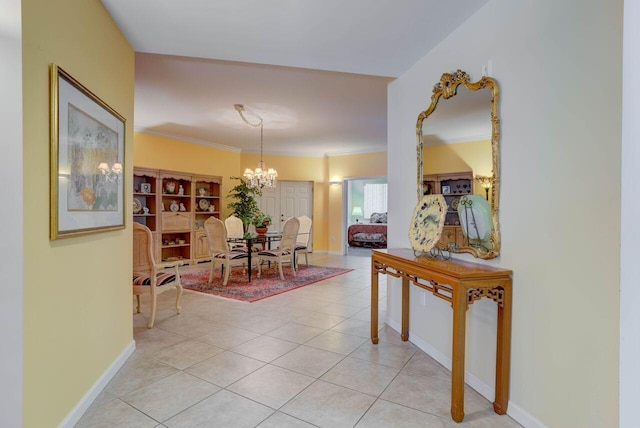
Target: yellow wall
{"points": [[298, 168], [349, 166], [152, 151], [77, 291], [470, 156], [474, 156]]}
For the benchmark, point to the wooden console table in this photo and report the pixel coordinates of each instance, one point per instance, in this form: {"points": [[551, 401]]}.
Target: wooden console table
{"points": [[460, 283]]}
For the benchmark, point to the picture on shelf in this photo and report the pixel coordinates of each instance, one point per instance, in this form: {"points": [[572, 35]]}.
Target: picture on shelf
{"points": [[446, 190], [145, 187]]}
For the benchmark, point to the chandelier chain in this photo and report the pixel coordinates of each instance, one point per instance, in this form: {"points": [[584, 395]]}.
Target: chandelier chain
{"points": [[260, 177]]}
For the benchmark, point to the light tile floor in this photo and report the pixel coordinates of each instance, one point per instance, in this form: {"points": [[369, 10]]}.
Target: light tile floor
{"points": [[299, 359]]}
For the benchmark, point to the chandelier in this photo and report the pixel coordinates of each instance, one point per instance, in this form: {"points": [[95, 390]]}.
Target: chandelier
{"points": [[261, 176]]}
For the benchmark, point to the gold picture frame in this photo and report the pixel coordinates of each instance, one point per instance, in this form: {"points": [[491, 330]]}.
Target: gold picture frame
{"points": [[87, 160]]}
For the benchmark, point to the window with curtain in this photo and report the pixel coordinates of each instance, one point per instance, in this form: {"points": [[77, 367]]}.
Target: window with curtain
{"points": [[375, 199]]}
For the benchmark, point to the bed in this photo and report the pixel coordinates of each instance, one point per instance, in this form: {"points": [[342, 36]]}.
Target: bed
{"points": [[371, 235]]}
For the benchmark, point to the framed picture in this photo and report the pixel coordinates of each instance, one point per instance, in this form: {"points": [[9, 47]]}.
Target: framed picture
{"points": [[145, 187], [446, 190], [87, 160]]}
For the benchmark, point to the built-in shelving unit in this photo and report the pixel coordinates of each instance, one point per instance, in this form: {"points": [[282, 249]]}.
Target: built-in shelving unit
{"points": [[175, 205], [452, 186]]}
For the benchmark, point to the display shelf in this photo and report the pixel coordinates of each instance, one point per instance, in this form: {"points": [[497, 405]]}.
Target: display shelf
{"points": [[452, 187], [156, 190]]}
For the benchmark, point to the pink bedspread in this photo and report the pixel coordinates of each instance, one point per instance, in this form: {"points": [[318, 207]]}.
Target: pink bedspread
{"points": [[367, 235]]}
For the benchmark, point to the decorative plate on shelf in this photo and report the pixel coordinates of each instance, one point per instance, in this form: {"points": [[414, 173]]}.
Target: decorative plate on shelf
{"points": [[427, 222], [203, 204], [137, 206], [475, 218], [454, 204]]}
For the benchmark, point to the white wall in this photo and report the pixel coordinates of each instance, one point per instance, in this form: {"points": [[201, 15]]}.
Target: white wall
{"points": [[11, 278], [559, 69], [630, 268]]}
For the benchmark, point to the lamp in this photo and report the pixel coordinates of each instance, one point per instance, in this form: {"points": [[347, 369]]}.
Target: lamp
{"points": [[261, 176], [485, 182], [357, 211], [110, 174]]}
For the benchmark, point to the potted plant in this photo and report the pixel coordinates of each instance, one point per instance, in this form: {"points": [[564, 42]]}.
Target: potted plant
{"points": [[244, 205], [261, 221]]}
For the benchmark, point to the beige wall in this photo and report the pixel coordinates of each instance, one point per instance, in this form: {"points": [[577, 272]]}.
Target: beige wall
{"points": [[556, 62], [11, 247], [77, 291]]}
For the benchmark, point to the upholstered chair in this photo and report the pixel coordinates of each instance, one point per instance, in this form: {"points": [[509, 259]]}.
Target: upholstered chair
{"points": [[285, 251], [150, 277]]}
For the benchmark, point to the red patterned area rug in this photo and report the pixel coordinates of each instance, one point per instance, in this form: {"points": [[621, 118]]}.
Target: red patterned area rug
{"points": [[269, 284]]}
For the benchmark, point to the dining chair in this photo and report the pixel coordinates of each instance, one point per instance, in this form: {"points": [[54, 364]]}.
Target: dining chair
{"points": [[303, 239], [286, 249], [221, 253], [235, 229], [150, 277]]}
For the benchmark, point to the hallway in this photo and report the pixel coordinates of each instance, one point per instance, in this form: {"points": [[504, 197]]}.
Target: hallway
{"points": [[299, 359]]}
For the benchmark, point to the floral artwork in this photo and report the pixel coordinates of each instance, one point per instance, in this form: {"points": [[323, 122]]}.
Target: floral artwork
{"points": [[87, 160], [90, 143]]}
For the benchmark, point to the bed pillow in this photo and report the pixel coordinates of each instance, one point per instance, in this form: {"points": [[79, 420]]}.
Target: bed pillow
{"points": [[378, 218]]}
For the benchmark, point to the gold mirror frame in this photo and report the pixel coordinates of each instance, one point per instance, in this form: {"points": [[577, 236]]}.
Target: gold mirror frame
{"points": [[447, 88]]}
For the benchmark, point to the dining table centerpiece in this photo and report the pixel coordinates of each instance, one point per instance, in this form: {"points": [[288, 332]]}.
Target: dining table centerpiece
{"points": [[261, 221]]}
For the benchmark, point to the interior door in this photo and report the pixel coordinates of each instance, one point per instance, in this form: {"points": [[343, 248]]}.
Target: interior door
{"points": [[269, 203], [288, 199]]}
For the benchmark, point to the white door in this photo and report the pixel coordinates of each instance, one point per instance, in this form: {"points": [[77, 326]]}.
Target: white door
{"points": [[288, 199], [269, 203]]}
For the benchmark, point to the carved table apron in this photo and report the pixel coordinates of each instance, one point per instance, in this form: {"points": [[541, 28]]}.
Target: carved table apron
{"points": [[460, 283]]}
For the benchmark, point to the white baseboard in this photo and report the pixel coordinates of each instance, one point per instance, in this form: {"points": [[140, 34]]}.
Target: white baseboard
{"points": [[76, 413], [516, 412]]}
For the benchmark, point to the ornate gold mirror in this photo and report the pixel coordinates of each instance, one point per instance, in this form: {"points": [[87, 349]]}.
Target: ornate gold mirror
{"points": [[458, 156]]}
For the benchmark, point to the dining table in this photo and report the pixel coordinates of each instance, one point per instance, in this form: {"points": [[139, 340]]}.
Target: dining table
{"points": [[250, 240]]}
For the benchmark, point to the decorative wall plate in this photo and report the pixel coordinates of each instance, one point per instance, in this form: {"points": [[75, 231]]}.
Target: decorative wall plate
{"points": [[427, 222], [137, 206], [203, 204], [475, 218]]}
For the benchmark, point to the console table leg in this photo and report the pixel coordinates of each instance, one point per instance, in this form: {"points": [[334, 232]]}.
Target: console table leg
{"points": [[374, 305], [459, 304], [503, 353], [405, 309]]}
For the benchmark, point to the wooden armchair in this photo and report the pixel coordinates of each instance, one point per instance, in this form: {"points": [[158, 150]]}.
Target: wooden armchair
{"points": [[286, 249], [303, 239], [149, 276], [221, 253]]}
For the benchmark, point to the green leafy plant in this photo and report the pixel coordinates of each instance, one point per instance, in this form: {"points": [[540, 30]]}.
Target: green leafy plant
{"points": [[244, 204], [261, 220]]}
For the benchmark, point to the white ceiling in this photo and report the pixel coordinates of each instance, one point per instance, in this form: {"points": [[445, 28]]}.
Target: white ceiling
{"points": [[316, 71]]}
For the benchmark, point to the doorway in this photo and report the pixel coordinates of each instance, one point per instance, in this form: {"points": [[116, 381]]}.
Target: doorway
{"points": [[360, 198]]}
